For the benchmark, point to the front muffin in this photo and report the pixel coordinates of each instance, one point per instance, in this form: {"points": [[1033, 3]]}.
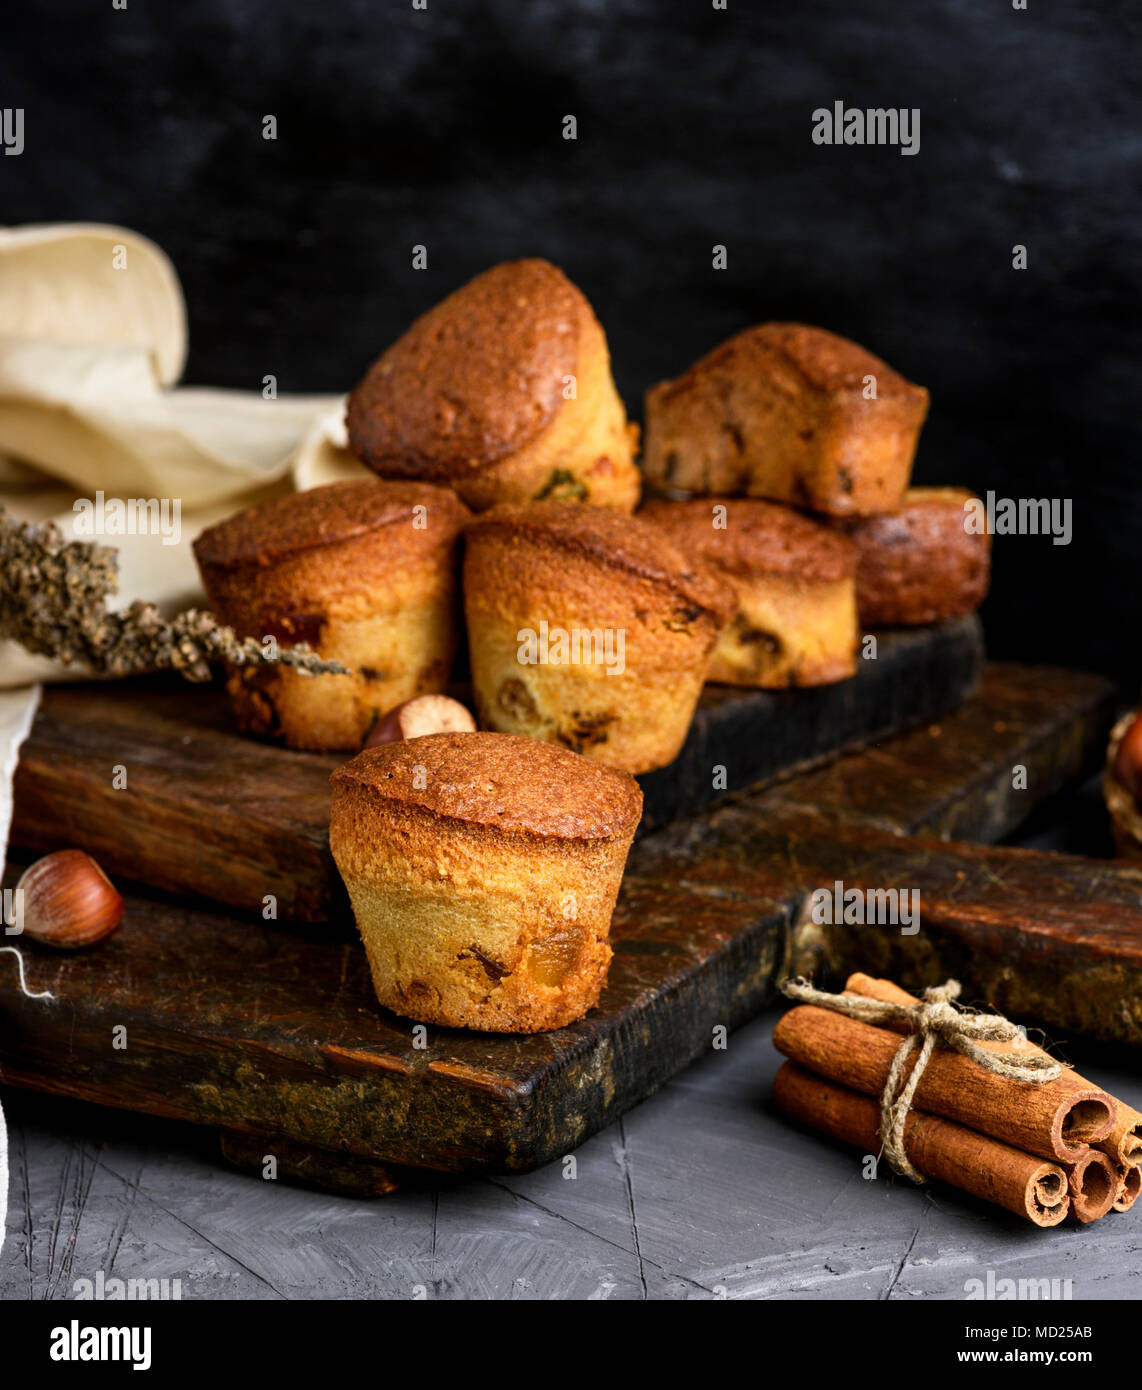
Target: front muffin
{"points": [[588, 629], [504, 392], [365, 572], [483, 871], [794, 579]]}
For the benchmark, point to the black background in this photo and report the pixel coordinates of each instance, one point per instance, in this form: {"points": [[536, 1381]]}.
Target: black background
{"points": [[444, 127]]}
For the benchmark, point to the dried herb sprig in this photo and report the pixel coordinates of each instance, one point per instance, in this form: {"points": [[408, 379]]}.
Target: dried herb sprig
{"points": [[53, 602]]}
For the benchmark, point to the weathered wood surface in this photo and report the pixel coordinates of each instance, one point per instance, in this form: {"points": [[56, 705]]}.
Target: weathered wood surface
{"points": [[274, 1032], [332, 1171], [918, 675], [955, 777], [208, 812], [1048, 938], [255, 1029], [204, 811]]}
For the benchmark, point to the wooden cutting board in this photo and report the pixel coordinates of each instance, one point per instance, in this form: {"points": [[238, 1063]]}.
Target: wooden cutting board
{"points": [[272, 1034], [151, 779]]}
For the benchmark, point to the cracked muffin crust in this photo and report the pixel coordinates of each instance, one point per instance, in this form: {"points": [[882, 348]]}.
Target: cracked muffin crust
{"points": [[504, 392], [784, 411]]}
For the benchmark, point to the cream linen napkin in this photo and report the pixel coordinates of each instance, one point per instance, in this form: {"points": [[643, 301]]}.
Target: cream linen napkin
{"points": [[92, 338], [92, 342]]}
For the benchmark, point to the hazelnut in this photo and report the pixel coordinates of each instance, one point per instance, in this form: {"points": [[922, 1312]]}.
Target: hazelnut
{"points": [[425, 714], [67, 901], [1128, 759]]}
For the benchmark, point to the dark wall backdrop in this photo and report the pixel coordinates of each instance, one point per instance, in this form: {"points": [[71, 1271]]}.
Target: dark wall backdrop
{"points": [[444, 127]]}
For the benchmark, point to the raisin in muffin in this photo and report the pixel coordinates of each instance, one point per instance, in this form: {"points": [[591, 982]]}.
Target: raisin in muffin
{"points": [[794, 579], [588, 629], [920, 564], [504, 392], [483, 871], [785, 411], [365, 572]]}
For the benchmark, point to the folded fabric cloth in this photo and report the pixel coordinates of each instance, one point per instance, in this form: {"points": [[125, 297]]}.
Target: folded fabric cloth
{"points": [[92, 339], [92, 344]]}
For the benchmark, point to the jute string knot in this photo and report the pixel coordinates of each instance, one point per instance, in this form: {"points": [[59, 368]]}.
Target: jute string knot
{"points": [[934, 1022]]}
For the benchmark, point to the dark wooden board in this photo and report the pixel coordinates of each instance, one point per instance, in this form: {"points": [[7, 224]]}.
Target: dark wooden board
{"points": [[918, 675], [947, 778], [1050, 939], [207, 812], [273, 1032]]}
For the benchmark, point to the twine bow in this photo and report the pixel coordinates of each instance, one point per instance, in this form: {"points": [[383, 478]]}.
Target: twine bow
{"points": [[935, 1021]]}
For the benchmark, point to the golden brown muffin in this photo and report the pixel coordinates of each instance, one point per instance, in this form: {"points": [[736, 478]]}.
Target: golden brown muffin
{"points": [[920, 564], [780, 411], [365, 572], [503, 391], [483, 871], [589, 629], [795, 582]]}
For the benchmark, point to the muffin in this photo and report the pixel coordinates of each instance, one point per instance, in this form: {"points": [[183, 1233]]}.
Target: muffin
{"points": [[503, 391], [483, 871], [365, 572], [795, 583], [588, 629], [784, 411], [920, 564]]}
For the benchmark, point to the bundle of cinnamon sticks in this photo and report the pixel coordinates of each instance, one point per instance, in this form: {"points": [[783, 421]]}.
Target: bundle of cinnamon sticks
{"points": [[1040, 1150]]}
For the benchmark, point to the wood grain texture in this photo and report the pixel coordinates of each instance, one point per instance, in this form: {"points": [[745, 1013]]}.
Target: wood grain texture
{"points": [[947, 777], [274, 1032], [298, 1163], [758, 735], [208, 812], [1050, 939]]}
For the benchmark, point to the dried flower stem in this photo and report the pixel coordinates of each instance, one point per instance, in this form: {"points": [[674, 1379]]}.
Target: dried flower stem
{"points": [[53, 602]]}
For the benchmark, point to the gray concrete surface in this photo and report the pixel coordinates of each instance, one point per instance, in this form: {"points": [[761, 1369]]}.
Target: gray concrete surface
{"points": [[701, 1192]]}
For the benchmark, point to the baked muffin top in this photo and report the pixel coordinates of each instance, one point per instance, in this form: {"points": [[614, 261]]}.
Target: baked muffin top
{"points": [[474, 379], [326, 516], [623, 543], [759, 538], [817, 359], [511, 783]]}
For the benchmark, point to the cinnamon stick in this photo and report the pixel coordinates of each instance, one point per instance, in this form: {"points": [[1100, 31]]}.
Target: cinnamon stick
{"points": [[939, 1148], [1124, 1141], [1054, 1120], [1129, 1186], [1093, 1185]]}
